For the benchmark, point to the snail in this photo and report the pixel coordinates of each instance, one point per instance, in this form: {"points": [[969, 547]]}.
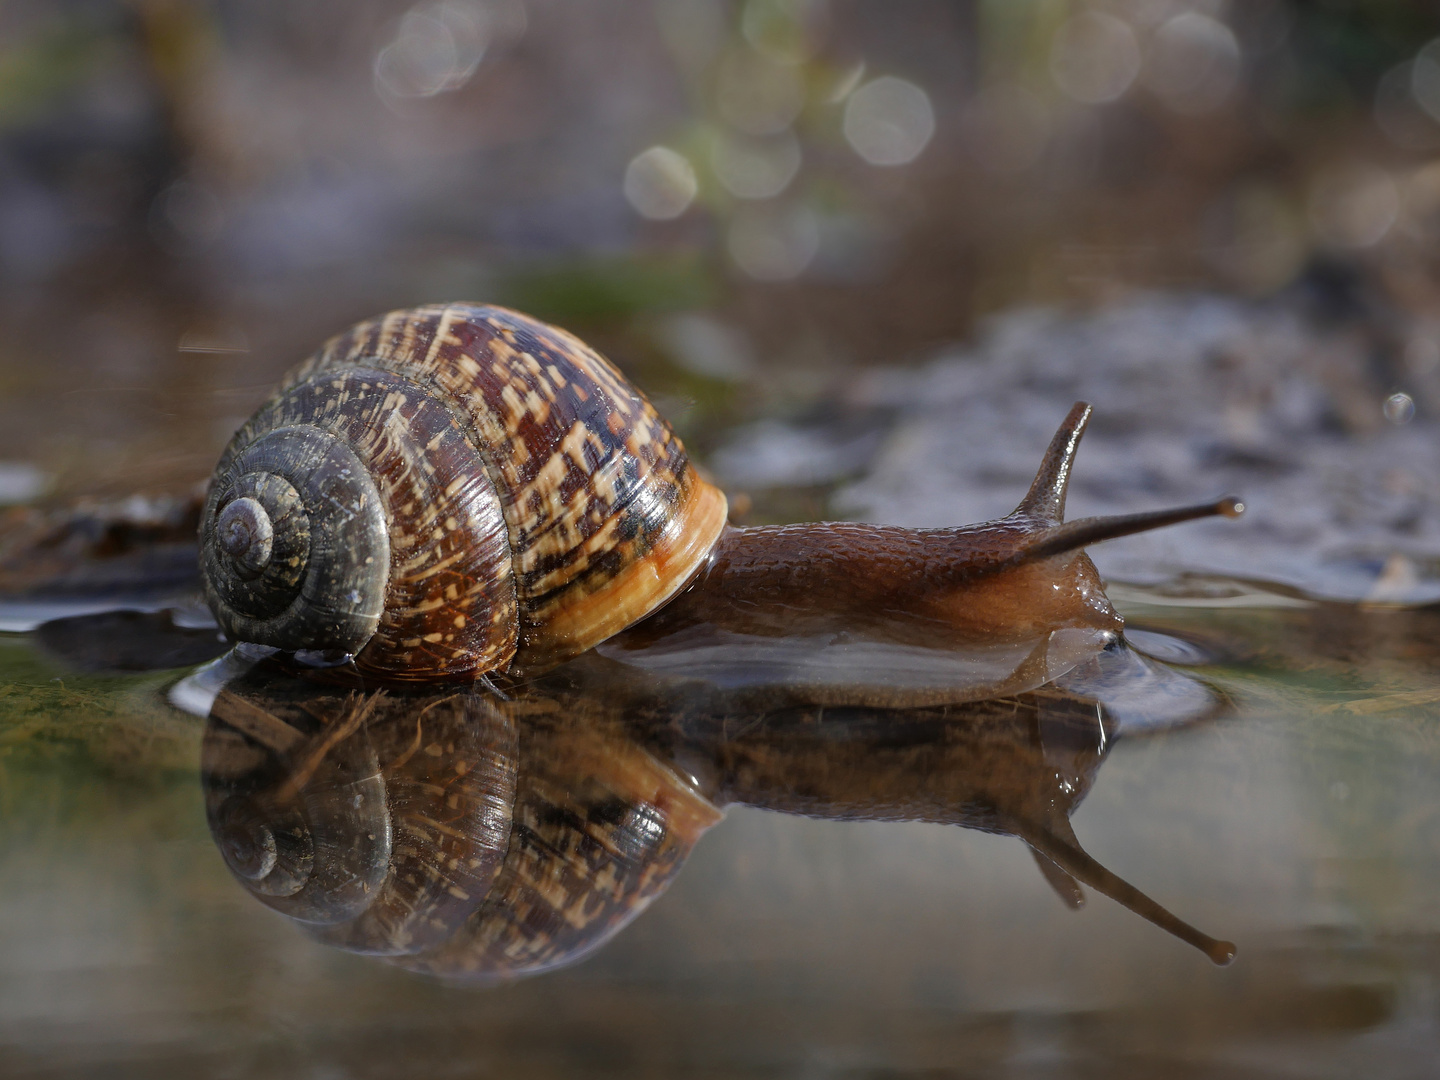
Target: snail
{"points": [[471, 837], [457, 491]]}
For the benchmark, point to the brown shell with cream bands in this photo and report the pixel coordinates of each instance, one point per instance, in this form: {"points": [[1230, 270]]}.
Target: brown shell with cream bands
{"points": [[448, 491]]}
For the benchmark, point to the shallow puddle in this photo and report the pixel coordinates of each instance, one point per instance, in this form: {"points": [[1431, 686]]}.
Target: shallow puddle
{"points": [[1297, 820]]}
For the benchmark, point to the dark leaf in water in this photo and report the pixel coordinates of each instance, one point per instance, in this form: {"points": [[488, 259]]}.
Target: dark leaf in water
{"points": [[127, 641]]}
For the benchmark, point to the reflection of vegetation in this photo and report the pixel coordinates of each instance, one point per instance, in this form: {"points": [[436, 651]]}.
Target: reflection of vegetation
{"points": [[88, 724], [1309, 658]]}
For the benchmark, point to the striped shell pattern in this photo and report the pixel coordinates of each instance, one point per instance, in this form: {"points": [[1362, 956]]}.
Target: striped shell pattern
{"points": [[449, 491]]}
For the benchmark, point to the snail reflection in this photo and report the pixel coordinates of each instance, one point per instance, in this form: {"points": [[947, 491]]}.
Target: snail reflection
{"points": [[483, 838]]}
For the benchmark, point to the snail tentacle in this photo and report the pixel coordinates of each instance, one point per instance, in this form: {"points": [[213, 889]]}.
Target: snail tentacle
{"points": [[1074, 535], [1045, 501]]}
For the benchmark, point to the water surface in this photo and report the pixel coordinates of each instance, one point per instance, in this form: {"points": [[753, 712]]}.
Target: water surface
{"points": [[1300, 823]]}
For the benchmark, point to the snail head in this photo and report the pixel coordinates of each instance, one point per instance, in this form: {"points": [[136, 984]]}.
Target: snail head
{"points": [[1029, 570]]}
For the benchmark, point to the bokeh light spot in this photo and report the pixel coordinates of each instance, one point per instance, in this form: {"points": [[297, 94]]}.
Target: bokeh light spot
{"points": [[1425, 78], [756, 168], [774, 245], [1094, 57], [1398, 112], [1353, 206], [660, 183], [756, 95], [845, 83], [438, 46], [786, 31], [889, 121], [1193, 64]]}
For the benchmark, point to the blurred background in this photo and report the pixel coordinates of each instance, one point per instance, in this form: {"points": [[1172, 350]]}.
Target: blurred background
{"points": [[746, 203]]}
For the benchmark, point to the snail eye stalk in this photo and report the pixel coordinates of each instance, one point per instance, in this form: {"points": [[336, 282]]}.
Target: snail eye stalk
{"points": [[1074, 535]]}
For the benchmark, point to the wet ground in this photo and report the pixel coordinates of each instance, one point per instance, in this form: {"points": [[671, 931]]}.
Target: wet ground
{"points": [[1288, 402], [1299, 823], [1257, 760], [831, 891]]}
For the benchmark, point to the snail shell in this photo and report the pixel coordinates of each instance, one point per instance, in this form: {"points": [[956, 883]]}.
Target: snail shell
{"points": [[448, 491], [375, 827], [436, 830]]}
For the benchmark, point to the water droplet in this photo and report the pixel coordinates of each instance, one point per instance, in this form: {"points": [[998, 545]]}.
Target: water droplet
{"points": [[1399, 408]]}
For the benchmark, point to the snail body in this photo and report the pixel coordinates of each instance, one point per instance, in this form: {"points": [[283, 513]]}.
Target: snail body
{"points": [[457, 490]]}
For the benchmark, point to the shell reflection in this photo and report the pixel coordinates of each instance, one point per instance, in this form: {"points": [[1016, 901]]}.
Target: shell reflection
{"points": [[477, 837], [438, 830]]}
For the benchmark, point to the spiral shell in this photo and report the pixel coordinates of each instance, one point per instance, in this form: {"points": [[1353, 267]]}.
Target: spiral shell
{"points": [[448, 491], [443, 831]]}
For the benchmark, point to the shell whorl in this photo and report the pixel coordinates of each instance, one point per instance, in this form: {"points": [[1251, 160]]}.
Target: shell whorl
{"points": [[600, 829], [533, 503], [404, 556], [294, 547]]}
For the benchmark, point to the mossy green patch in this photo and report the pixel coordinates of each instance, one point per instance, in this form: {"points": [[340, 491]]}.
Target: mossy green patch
{"points": [[90, 725], [596, 290]]}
